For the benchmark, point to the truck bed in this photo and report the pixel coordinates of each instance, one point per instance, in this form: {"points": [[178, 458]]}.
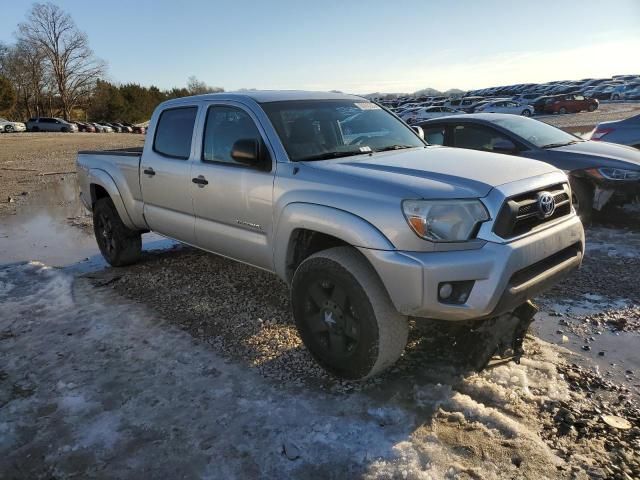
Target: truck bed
{"points": [[125, 152]]}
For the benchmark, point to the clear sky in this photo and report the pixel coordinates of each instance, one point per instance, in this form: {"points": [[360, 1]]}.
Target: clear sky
{"points": [[352, 45]]}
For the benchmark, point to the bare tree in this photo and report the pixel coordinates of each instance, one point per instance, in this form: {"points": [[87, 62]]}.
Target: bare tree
{"points": [[73, 67], [198, 87]]}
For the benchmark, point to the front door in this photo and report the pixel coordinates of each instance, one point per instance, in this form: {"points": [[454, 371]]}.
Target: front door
{"points": [[233, 202], [165, 175]]}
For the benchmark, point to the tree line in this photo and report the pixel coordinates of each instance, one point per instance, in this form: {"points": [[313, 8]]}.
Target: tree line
{"points": [[51, 70]]}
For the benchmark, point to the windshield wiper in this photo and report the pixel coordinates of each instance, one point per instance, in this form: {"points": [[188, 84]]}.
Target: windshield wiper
{"points": [[329, 155], [560, 144], [394, 147]]}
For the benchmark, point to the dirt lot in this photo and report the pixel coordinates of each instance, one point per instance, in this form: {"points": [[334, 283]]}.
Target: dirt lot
{"points": [[584, 122], [188, 365], [30, 160]]}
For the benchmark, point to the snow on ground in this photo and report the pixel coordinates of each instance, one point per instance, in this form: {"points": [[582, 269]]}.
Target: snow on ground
{"points": [[93, 385]]}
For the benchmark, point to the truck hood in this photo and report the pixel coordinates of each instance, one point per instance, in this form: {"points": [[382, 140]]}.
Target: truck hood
{"points": [[436, 172], [591, 154]]}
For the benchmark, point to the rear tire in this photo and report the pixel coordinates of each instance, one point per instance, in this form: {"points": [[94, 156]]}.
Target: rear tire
{"points": [[118, 244], [345, 316], [582, 199], [615, 97], [562, 111]]}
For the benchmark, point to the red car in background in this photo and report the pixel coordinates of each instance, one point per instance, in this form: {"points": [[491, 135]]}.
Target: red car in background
{"points": [[570, 103]]}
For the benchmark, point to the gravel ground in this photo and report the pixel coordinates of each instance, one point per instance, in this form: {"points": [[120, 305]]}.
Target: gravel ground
{"points": [[28, 161], [584, 122], [244, 315], [95, 386]]}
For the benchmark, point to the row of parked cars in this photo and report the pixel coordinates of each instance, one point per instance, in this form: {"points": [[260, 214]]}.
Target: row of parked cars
{"points": [[566, 103], [528, 99], [54, 124], [618, 87]]}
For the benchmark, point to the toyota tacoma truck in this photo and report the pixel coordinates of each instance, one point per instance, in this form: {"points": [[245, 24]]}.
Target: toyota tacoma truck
{"points": [[368, 224]]}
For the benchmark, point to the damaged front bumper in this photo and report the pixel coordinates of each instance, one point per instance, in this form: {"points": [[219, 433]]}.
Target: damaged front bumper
{"points": [[498, 276]]}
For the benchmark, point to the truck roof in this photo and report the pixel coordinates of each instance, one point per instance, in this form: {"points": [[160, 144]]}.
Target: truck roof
{"points": [[265, 96]]}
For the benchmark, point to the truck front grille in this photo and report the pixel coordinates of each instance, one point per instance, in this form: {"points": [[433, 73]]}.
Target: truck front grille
{"points": [[522, 213]]}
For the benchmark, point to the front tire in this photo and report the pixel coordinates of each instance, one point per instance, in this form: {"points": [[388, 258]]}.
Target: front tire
{"points": [[582, 200], [118, 244], [562, 111], [345, 316], [592, 108], [526, 113], [8, 129]]}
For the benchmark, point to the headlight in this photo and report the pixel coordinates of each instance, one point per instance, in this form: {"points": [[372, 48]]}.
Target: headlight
{"points": [[444, 220], [618, 173]]}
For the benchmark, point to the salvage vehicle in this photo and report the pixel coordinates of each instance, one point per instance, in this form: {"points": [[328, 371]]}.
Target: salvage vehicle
{"points": [[570, 103], [368, 228], [625, 132], [600, 173]]}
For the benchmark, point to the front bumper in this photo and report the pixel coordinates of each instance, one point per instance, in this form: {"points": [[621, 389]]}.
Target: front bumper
{"points": [[505, 275]]}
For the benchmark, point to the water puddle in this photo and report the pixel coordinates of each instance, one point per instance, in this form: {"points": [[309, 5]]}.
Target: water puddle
{"points": [[41, 230], [615, 354]]}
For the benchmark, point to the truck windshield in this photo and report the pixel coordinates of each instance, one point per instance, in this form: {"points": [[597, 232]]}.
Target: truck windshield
{"points": [[324, 129]]}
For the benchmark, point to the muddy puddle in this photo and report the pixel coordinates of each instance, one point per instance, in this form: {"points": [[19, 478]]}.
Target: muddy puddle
{"points": [[53, 227]]}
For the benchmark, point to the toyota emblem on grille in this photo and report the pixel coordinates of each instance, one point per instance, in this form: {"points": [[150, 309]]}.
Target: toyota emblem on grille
{"points": [[546, 204]]}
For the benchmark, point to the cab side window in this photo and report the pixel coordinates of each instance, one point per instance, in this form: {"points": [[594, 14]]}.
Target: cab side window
{"points": [[174, 132], [476, 138], [434, 135], [225, 126]]}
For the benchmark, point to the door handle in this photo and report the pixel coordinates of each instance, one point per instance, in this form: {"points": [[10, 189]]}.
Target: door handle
{"points": [[149, 171], [200, 181]]}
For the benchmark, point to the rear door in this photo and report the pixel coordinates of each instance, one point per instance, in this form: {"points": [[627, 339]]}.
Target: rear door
{"points": [[233, 203], [165, 174]]}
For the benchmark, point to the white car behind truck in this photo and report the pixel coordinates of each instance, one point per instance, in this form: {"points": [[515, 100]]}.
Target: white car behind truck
{"points": [[366, 223]]}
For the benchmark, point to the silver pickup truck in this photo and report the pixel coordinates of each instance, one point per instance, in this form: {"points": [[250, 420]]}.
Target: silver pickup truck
{"points": [[367, 224]]}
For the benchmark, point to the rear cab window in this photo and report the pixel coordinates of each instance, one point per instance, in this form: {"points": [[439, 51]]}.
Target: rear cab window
{"points": [[174, 132]]}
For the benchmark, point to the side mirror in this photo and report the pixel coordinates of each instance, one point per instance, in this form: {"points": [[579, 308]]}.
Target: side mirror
{"points": [[419, 131], [505, 146], [247, 152]]}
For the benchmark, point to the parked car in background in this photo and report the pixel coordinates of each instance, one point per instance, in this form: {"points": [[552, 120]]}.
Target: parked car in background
{"points": [[85, 127], [600, 173], [625, 132], [620, 92], [541, 102], [632, 94], [571, 103], [135, 129], [50, 124], [123, 128], [8, 126], [113, 127], [527, 98], [429, 112], [506, 106], [100, 128]]}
